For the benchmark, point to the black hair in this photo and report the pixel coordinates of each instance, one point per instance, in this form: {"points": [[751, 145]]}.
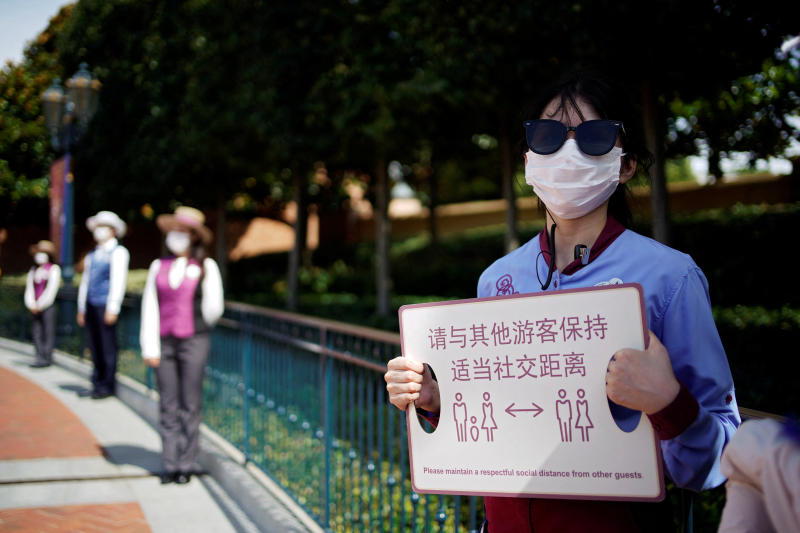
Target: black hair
{"points": [[197, 249], [610, 100]]}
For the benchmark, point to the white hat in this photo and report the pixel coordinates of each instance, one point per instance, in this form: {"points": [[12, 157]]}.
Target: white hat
{"points": [[107, 218]]}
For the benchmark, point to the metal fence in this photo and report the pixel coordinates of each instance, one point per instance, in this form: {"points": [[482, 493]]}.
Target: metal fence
{"points": [[304, 400]]}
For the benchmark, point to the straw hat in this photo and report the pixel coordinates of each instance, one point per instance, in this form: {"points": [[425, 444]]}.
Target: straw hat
{"points": [[185, 218], [44, 246], [107, 218]]}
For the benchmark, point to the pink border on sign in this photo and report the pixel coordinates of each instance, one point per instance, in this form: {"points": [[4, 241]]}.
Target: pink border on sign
{"points": [[549, 496]]}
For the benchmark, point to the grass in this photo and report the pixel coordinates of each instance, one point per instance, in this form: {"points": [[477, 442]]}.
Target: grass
{"points": [[134, 284]]}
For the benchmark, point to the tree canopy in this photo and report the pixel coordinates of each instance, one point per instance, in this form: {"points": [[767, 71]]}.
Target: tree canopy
{"points": [[236, 103], [201, 99], [25, 152]]}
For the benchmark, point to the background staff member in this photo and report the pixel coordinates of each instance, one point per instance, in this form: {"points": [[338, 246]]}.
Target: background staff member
{"points": [[105, 271], [41, 288], [762, 462], [182, 299]]}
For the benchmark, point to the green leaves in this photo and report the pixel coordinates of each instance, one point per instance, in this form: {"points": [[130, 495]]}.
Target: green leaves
{"points": [[200, 96], [749, 115], [25, 152]]}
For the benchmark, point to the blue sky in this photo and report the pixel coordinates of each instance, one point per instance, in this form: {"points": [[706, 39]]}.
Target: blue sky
{"points": [[20, 22]]}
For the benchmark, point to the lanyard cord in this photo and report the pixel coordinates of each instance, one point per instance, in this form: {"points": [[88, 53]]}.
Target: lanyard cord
{"points": [[551, 241]]}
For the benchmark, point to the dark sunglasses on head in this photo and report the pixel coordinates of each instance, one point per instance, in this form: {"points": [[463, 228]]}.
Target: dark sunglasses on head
{"points": [[595, 137]]}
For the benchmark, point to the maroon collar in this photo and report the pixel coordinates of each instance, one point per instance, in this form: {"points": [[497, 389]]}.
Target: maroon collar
{"points": [[611, 231]]}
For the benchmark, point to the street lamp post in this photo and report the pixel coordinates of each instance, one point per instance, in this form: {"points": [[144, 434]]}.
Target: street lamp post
{"points": [[67, 116]]}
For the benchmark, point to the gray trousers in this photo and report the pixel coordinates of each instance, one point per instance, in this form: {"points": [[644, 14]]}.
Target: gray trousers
{"points": [[180, 385], [44, 334]]}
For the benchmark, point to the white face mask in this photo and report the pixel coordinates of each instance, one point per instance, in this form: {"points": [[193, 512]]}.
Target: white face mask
{"points": [[102, 234], [40, 258], [178, 242], [571, 183]]}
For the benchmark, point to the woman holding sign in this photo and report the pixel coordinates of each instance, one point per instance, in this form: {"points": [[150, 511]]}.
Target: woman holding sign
{"points": [[583, 146]]}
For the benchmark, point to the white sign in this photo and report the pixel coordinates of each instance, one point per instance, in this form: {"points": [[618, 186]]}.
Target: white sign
{"points": [[524, 410]]}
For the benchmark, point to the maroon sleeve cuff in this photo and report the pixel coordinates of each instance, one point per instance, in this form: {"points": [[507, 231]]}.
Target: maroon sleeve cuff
{"points": [[431, 417], [673, 420]]}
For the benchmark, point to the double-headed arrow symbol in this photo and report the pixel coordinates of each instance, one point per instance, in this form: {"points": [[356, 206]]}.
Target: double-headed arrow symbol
{"points": [[536, 410]]}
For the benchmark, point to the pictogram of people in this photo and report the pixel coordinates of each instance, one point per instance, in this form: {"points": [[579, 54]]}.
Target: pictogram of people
{"points": [[460, 416], [564, 415], [583, 422], [474, 431], [488, 424]]}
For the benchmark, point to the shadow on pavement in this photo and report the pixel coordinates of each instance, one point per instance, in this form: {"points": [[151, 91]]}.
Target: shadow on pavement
{"points": [[79, 389], [125, 454]]}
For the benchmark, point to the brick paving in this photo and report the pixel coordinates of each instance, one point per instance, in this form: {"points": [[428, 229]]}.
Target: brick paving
{"points": [[35, 425], [97, 518], [73, 464]]}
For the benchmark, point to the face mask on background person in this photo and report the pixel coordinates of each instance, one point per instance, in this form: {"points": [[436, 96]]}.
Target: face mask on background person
{"points": [[101, 234], [178, 242], [40, 258], [571, 183]]}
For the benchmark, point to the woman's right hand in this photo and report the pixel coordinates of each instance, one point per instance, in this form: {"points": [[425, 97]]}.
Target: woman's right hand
{"points": [[411, 381]]}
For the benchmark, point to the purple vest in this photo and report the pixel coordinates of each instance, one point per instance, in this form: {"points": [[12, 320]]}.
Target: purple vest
{"points": [[39, 286], [179, 309]]}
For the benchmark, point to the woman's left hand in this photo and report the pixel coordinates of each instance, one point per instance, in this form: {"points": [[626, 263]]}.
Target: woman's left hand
{"points": [[152, 362], [642, 380]]}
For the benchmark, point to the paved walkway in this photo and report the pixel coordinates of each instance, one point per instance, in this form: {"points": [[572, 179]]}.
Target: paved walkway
{"points": [[70, 463]]}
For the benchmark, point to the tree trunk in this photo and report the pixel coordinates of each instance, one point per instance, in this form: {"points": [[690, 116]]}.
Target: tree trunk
{"points": [[654, 137], [433, 223], [300, 236], [382, 271], [507, 170], [714, 168], [221, 244]]}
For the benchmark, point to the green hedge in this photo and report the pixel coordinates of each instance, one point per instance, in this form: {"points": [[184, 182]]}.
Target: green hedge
{"points": [[744, 252], [761, 343], [757, 318]]}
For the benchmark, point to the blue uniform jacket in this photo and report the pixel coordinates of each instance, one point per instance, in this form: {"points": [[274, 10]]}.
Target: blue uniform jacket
{"points": [[699, 423]]}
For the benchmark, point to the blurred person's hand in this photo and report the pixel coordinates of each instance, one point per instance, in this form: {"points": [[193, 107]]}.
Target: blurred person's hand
{"points": [[81, 319], [110, 318], [152, 362]]}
